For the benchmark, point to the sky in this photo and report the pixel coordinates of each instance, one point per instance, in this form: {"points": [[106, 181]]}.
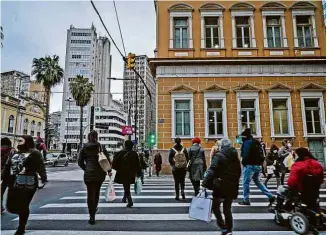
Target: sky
{"points": [[33, 29]]}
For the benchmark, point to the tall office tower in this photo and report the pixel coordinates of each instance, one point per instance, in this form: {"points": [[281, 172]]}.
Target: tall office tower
{"points": [[146, 107], [88, 56]]}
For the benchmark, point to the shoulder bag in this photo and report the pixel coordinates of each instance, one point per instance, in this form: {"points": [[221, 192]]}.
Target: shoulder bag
{"points": [[103, 160]]}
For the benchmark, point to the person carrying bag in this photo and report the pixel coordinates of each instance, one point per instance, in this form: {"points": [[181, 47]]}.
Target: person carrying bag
{"points": [[223, 178]]}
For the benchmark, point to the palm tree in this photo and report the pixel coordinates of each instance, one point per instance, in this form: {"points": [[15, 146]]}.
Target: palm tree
{"points": [[81, 90], [48, 72]]}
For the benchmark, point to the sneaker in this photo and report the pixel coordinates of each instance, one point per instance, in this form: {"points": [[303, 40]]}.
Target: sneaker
{"points": [[226, 232], [244, 203]]}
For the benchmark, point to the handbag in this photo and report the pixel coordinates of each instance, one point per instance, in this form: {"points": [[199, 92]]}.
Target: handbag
{"points": [[200, 207], [25, 182], [138, 186], [103, 161]]}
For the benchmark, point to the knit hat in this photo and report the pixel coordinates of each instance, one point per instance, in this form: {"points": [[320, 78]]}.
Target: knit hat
{"points": [[196, 140]]}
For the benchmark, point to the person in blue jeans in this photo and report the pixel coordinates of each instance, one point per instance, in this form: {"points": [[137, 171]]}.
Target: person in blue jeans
{"points": [[252, 158]]}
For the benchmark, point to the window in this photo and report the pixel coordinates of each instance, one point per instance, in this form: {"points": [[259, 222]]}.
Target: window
{"points": [[36, 95], [32, 128], [248, 112], [211, 32], [182, 118], [76, 56], [242, 31], [11, 124], [304, 32], [312, 116], [181, 34], [25, 127], [39, 125], [274, 31], [215, 117], [280, 117]]}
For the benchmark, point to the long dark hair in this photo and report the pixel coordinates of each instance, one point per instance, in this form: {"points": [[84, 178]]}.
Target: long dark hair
{"points": [[29, 142], [303, 153], [93, 136]]}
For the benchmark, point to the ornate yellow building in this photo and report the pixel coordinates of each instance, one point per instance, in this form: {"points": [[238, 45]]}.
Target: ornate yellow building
{"points": [[21, 117], [225, 66]]}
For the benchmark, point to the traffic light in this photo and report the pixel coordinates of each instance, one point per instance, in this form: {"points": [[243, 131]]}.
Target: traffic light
{"points": [[131, 61], [152, 139]]}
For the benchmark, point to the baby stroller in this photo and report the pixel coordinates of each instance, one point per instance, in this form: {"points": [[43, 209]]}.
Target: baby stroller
{"points": [[300, 210]]}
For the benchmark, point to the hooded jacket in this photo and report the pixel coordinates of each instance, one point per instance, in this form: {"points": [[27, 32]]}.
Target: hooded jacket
{"points": [[226, 166], [302, 168], [88, 161]]}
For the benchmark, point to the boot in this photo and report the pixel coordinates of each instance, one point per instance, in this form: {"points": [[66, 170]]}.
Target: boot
{"points": [[20, 231], [124, 200], [92, 219], [177, 195], [183, 195], [130, 201], [278, 182]]}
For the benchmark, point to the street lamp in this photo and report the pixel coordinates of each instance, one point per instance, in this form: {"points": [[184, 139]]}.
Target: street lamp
{"points": [[69, 101]]}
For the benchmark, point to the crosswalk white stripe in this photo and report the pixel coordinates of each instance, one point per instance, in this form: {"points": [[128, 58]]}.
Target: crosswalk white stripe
{"points": [[144, 205], [173, 191], [143, 217], [160, 197], [79, 232]]}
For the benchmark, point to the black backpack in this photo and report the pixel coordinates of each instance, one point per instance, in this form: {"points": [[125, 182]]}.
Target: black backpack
{"points": [[256, 151]]}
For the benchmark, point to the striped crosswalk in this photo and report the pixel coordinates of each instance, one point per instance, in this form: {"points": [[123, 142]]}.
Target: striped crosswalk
{"points": [[155, 212]]}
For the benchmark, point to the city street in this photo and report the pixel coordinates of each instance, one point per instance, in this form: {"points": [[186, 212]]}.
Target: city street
{"points": [[60, 208]]}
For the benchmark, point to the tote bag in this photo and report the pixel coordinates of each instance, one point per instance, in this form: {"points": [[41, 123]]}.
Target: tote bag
{"points": [[200, 208], [103, 161]]}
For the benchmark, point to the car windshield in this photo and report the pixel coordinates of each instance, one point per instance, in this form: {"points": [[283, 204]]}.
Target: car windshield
{"points": [[51, 155]]}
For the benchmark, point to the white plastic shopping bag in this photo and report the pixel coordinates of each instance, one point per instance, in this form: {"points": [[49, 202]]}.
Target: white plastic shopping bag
{"points": [[110, 192], [138, 186], [200, 207], [270, 170]]}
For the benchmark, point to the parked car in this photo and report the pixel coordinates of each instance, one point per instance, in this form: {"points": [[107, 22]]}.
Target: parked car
{"points": [[55, 159]]}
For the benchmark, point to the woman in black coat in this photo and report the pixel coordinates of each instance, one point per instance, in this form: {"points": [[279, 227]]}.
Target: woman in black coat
{"points": [[273, 162], [127, 166], [223, 178], [93, 173], [27, 162]]}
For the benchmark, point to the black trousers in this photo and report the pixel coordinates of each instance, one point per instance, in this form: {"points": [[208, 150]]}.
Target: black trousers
{"points": [[179, 178], [227, 210], [196, 186], [93, 194], [4, 186], [158, 169]]}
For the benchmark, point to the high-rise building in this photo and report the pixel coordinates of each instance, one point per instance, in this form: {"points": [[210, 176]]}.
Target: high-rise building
{"points": [[55, 124], [89, 56], [145, 106]]}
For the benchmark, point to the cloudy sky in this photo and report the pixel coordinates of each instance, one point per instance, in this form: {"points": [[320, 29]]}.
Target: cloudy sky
{"points": [[38, 28]]}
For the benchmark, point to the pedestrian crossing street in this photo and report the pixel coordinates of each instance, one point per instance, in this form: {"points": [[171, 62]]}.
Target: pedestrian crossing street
{"points": [[155, 212]]}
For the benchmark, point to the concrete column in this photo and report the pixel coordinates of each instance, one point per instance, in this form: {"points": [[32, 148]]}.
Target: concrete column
{"points": [[265, 39], [234, 31], [221, 27], [296, 40], [254, 43], [284, 31]]}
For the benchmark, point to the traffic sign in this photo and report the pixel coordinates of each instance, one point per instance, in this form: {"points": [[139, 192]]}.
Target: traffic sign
{"points": [[127, 130]]}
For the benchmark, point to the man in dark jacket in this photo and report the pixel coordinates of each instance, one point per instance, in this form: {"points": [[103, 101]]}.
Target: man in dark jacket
{"points": [[223, 178], [158, 162], [252, 158], [6, 151], [143, 164], [127, 164], [178, 173]]}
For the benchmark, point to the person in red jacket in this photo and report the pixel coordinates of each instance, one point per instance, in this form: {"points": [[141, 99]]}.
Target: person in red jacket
{"points": [[305, 164]]}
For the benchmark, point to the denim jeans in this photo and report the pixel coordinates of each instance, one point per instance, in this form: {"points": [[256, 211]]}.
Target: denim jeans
{"points": [[253, 172], [142, 176]]}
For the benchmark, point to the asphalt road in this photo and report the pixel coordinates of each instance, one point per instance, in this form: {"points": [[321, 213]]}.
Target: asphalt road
{"points": [[60, 208]]}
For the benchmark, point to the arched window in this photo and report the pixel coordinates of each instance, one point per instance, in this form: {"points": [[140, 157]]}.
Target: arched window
{"points": [[25, 127], [38, 132], [32, 128], [11, 124]]}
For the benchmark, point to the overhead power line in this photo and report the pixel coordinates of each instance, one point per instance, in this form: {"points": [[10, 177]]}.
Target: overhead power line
{"points": [[124, 58], [121, 35]]}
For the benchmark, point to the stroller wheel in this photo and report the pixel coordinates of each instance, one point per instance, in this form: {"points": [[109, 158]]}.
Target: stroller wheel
{"points": [[299, 223]]}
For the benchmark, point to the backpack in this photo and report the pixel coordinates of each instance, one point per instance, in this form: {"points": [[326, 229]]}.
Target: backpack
{"points": [[256, 151], [180, 159]]}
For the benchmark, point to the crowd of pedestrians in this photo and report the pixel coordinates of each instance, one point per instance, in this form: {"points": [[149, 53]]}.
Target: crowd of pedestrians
{"points": [[19, 169]]}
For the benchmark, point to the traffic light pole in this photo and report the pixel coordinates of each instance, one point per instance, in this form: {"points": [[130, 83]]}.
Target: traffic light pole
{"points": [[135, 117]]}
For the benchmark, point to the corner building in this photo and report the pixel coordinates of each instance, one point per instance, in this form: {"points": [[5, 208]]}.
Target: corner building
{"points": [[221, 68]]}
